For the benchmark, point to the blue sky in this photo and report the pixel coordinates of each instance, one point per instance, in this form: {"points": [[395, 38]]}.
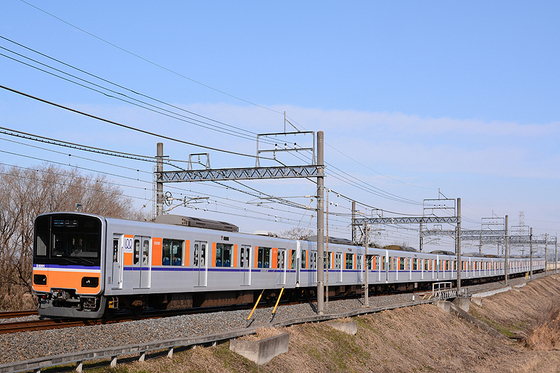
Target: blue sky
{"points": [[412, 96]]}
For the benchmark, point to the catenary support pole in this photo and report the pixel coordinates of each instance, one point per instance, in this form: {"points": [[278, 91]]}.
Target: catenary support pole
{"points": [[506, 244], [320, 222], [366, 266], [531, 251], [546, 253], [458, 247], [159, 187], [556, 255], [353, 220]]}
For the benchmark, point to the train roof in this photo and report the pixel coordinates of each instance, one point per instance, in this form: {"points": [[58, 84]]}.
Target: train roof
{"points": [[188, 221]]}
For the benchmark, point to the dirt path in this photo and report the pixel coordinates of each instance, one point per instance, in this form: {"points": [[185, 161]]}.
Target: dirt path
{"points": [[416, 339]]}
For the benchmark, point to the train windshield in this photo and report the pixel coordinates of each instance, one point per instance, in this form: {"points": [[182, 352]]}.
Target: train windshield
{"points": [[67, 239]]}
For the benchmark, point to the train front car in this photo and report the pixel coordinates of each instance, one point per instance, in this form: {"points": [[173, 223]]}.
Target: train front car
{"points": [[67, 265]]}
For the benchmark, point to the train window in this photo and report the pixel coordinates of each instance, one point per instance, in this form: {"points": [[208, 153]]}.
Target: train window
{"points": [[401, 264], [338, 261], [303, 258], [145, 252], [349, 261], [172, 252], [359, 264], [280, 260], [136, 251], [395, 265], [115, 250], [223, 254], [293, 260], [384, 262], [370, 262], [263, 259], [415, 264], [199, 254]]}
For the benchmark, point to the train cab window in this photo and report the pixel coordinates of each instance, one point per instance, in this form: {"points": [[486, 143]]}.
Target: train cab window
{"points": [[172, 252], [223, 254], [263, 257], [349, 260], [293, 259], [303, 258]]}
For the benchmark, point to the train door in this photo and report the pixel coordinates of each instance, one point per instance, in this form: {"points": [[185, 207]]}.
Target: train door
{"points": [[338, 266], [200, 262], [142, 261], [386, 261], [117, 267], [245, 259], [313, 267], [360, 268]]}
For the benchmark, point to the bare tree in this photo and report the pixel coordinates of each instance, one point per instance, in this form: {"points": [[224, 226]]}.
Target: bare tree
{"points": [[26, 193], [296, 233]]}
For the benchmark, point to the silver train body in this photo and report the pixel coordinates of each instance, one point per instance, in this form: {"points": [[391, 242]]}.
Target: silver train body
{"points": [[87, 265]]}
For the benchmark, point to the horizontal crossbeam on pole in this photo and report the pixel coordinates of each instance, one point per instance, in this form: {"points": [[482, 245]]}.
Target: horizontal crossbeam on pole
{"points": [[251, 173], [407, 220]]}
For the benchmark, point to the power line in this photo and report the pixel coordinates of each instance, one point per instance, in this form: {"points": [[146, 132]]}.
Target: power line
{"points": [[127, 126], [151, 62]]}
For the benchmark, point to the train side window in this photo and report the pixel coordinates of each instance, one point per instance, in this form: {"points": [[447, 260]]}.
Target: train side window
{"points": [[370, 262], [115, 250], [303, 258], [136, 251], [338, 261], [263, 260], [223, 254], [349, 261], [280, 258], [145, 252], [294, 259], [359, 264], [199, 253], [172, 252], [401, 264]]}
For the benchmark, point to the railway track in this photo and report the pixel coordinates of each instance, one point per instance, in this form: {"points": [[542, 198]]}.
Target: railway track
{"points": [[14, 314]]}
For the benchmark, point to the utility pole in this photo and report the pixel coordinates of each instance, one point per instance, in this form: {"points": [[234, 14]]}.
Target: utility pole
{"points": [[556, 256], [458, 247], [421, 238], [366, 267], [159, 184], [506, 244], [531, 251], [353, 220], [546, 253], [320, 221]]}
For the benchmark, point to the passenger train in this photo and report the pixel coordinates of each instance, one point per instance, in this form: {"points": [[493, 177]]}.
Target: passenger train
{"points": [[89, 266]]}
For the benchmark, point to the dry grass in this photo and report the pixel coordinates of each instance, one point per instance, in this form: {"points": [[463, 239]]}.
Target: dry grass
{"points": [[416, 339]]}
